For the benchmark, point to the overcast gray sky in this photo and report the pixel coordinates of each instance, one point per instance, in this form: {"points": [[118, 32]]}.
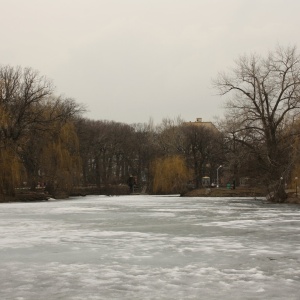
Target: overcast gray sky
{"points": [[131, 60]]}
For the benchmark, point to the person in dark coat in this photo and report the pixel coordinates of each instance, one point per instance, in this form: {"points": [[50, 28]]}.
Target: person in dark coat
{"points": [[131, 183]]}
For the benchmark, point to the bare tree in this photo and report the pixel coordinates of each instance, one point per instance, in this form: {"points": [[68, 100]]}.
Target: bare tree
{"points": [[265, 102], [202, 150], [21, 94], [170, 137]]}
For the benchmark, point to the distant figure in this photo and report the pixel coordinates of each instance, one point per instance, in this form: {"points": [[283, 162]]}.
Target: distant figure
{"points": [[131, 183], [233, 184]]}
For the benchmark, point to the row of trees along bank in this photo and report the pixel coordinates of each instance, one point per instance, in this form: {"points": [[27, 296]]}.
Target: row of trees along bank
{"points": [[45, 138]]}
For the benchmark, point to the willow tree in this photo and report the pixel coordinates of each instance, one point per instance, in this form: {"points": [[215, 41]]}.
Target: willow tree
{"points": [[20, 91], [30, 118], [54, 114], [10, 164], [10, 174], [170, 175], [60, 161], [294, 179], [264, 101]]}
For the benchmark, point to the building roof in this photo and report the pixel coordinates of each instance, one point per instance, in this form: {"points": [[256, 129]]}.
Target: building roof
{"points": [[199, 122]]}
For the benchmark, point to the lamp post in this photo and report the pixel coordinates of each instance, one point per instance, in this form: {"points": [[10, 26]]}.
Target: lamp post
{"points": [[296, 181], [218, 175]]}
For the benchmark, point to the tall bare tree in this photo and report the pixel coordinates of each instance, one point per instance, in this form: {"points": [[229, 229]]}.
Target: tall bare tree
{"points": [[22, 92], [265, 101]]}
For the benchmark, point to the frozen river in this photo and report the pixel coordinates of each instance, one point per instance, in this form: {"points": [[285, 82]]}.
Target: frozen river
{"points": [[149, 247]]}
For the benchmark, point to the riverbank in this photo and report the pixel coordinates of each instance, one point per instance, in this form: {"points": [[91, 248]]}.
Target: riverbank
{"points": [[25, 195], [239, 192], [224, 192], [40, 195]]}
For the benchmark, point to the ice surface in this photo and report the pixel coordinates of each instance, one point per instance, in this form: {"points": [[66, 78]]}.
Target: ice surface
{"points": [[149, 247]]}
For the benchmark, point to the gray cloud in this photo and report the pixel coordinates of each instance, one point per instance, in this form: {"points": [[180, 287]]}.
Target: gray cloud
{"points": [[130, 60]]}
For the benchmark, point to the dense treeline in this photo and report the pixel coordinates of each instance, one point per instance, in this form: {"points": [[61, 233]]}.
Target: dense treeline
{"points": [[162, 159], [46, 142]]}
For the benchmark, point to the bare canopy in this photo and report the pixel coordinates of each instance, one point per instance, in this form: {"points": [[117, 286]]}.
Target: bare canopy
{"points": [[265, 102]]}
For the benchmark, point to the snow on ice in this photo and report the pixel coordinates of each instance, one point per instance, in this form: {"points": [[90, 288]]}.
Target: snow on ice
{"points": [[149, 247]]}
